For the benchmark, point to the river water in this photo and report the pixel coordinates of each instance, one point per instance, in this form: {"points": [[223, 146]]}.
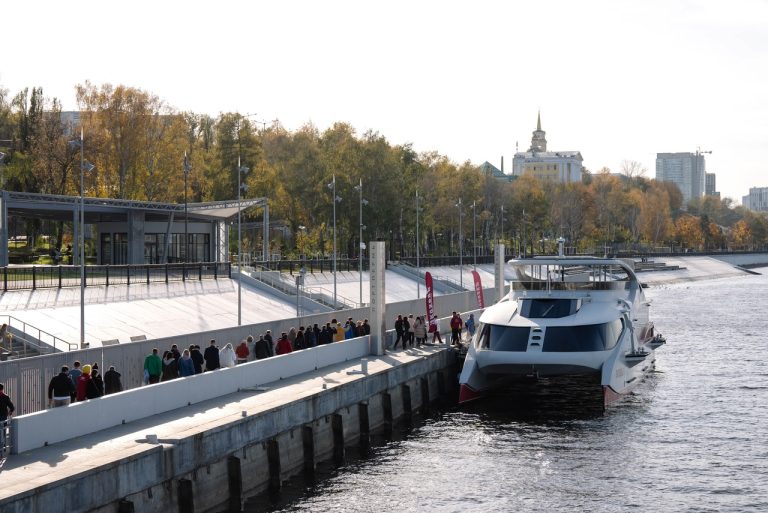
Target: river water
{"points": [[692, 438]]}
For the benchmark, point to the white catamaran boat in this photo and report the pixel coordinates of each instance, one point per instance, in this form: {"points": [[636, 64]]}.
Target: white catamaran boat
{"points": [[567, 322]]}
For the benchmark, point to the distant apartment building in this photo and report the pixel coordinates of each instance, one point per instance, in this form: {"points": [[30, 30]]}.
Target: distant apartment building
{"points": [[710, 185], [757, 199], [686, 170], [558, 166]]}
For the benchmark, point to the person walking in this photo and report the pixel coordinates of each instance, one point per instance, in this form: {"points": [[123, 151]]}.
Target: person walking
{"points": [[338, 334], [399, 332], [310, 337], [153, 367], [242, 351], [112, 383], [411, 330], [420, 330], [186, 365], [95, 387], [434, 328], [82, 383], [227, 356], [197, 358], [211, 356], [263, 348], [60, 389], [470, 325], [283, 345], [74, 373], [6, 412], [455, 328], [170, 367], [325, 335]]}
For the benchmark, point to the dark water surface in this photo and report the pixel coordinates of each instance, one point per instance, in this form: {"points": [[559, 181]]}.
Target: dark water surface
{"points": [[692, 438]]}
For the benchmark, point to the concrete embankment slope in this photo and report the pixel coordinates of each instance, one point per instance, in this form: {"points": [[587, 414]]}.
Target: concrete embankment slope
{"points": [[213, 454], [691, 268]]}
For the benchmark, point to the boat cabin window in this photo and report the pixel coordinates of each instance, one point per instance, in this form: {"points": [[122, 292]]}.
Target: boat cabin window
{"points": [[549, 308], [590, 337], [504, 338]]}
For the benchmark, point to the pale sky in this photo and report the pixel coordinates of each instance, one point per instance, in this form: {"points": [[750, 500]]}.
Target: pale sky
{"points": [[613, 79]]}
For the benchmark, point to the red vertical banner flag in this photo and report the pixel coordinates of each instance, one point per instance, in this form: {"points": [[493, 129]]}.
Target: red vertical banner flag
{"points": [[430, 297], [478, 289]]}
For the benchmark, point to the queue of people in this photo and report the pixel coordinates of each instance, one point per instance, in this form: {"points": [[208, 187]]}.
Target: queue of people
{"points": [[83, 382], [80, 383]]}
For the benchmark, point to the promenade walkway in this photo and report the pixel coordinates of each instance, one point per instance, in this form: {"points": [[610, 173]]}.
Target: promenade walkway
{"points": [[78, 460]]}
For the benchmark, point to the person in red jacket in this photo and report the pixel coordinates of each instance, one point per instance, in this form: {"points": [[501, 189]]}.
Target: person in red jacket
{"points": [[82, 383], [242, 350], [283, 345]]}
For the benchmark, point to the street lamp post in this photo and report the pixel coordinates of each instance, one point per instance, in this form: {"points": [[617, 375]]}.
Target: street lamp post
{"points": [[2, 172], [336, 199], [461, 249], [187, 169], [474, 236], [359, 188], [418, 241], [241, 186], [84, 166]]}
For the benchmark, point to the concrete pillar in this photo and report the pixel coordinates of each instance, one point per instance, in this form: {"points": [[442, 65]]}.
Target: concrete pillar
{"points": [[499, 272], [407, 407], [378, 254], [135, 237], [424, 394], [308, 442], [386, 406], [337, 424], [365, 427], [185, 497], [265, 239], [3, 229], [235, 479], [273, 462], [440, 384]]}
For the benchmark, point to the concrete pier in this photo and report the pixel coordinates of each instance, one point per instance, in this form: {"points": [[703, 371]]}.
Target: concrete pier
{"points": [[212, 455]]}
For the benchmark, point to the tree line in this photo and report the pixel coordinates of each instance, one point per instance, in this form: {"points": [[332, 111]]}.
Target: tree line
{"points": [[138, 143]]}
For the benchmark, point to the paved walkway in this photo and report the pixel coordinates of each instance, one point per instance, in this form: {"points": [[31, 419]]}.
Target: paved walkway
{"points": [[27, 471]]}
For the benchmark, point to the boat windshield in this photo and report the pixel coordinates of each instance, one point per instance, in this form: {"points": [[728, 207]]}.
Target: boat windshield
{"points": [[562, 339], [590, 337], [570, 277]]}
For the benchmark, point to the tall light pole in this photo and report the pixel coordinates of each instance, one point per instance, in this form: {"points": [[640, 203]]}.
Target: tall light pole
{"points": [[241, 186], [84, 166], [2, 172], [461, 249], [418, 241], [474, 236], [359, 188], [336, 199], [187, 169]]}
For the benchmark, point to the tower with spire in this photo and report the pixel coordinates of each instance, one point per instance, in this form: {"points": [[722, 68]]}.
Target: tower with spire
{"points": [[555, 166], [539, 140]]}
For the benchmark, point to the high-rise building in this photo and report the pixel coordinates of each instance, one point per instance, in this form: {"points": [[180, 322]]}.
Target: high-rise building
{"points": [[757, 199], [558, 166], [686, 170], [710, 185]]}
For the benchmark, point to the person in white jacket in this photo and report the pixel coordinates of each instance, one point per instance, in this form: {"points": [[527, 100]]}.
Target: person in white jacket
{"points": [[227, 356]]}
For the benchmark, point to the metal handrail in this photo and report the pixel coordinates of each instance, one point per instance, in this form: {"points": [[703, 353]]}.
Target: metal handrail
{"points": [[42, 335]]}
